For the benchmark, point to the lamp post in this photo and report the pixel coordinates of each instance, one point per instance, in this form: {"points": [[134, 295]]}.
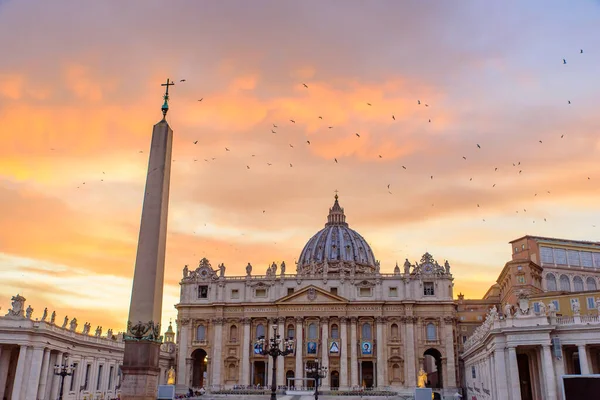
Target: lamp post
{"points": [[63, 371], [317, 372], [272, 348]]}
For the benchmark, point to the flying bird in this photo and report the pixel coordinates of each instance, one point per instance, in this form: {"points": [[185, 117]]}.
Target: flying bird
{"points": [[430, 120], [308, 141], [581, 51], [273, 131], [292, 121], [388, 185], [247, 167], [269, 164], [291, 146], [561, 136], [369, 104], [201, 99], [182, 80], [569, 101], [564, 61], [291, 165], [274, 126], [464, 157], [540, 141], [226, 149], [380, 156], [357, 135], [335, 159], [320, 117], [431, 176], [496, 169], [403, 167], [305, 85], [394, 118], [196, 142], [419, 102], [478, 146]]}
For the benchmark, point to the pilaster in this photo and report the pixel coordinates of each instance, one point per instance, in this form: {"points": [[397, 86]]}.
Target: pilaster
{"points": [[183, 343], [281, 359], [380, 350], [325, 350], [583, 359], [34, 375], [409, 346], [19, 373], [353, 353], [513, 367], [548, 373], [299, 351], [44, 374], [217, 357], [450, 360], [245, 370], [344, 353]]}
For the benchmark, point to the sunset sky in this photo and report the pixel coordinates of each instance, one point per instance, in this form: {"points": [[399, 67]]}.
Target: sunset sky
{"points": [[80, 91]]}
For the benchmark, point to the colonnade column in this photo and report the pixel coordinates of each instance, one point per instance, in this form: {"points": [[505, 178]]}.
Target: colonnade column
{"points": [[44, 378], [246, 352], [217, 359], [513, 367], [353, 353], [583, 360], [343, 355], [34, 375], [548, 372], [299, 351], [4, 366], [183, 325], [450, 360], [500, 372], [411, 374], [55, 378], [281, 360], [380, 357], [325, 351]]}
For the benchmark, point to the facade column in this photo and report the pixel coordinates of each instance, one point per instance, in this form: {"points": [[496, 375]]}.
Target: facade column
{"points": [[583, 360], [353, 353], [4, 366], [184, 327], [281, 359], [299, 352], [500, 372], [245, 370], [548, 373], [44, 376], [217, 358], [54, 386], [380, 357], [325, 351], [19, 373], [343, 355], [450, 360], [513, 367], [32, 384], [409, 346]]}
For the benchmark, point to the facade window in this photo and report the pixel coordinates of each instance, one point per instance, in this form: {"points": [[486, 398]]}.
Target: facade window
{"points": [[393, 292], [577, 284], [74, 377], [395, 334], [479, 318], [556, 304], [536, 307], [560, 256], [591, 283], [333, 290], [111, 372], [564, 283], [260, 293], [464, 338], [233, 333], [260, 331], [364, 292], [366, 331], [428, 289], [591, 303], [291, 331], [547, 255], [521, 279], [99, 380], [473, 372], [235, 294], [573, 256], [586, 259], [312, 331], [201, 333], [290, 290], [523, 246], [550, 282], [86, 382], [516, 249], [335, 332], [203, 292], [431, 332]]}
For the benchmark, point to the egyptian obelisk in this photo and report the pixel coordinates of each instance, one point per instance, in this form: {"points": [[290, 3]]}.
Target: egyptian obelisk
{"points": [[143, 339]]}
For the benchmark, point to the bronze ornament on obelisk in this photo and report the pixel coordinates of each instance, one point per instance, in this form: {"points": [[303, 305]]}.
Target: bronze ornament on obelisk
{"points": [[142, 339]]}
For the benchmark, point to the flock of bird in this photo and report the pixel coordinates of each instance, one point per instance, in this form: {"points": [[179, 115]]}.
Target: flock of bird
{"points": [[278, 126]]}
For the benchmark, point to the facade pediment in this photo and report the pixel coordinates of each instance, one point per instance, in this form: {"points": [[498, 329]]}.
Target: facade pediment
{"points": [[311, 294]]}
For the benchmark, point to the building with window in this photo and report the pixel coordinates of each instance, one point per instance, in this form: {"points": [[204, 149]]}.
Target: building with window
{"points": [[31, 347], [371, 329]]}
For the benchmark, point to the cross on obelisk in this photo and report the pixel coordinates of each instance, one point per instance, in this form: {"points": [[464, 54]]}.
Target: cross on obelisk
{"points": [[165, 106], [143, 337]]}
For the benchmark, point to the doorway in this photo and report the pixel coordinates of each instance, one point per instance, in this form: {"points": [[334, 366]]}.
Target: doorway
{"points": [[335, 380], [524, 376], [432, 365], [259, 378], [366, 369], [199, 368]]}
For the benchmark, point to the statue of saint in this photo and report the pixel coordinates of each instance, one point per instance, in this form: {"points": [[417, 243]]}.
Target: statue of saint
{"points": [[542, 309], [377, 267], [273, 269], [248, 269], [45, 315], [65, 322], [574, 306], [99, 331], [282, 268], [407, 267], [222, 270], [186, 272], [53, 317], [447, 266], [28, 312], [422, 378], [507, 310], [171, 376], [73, 324]]}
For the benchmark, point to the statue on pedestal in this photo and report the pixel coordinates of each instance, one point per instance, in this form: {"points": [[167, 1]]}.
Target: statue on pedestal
{"points": [[282, 268], [28, 312], [507, 310], [98, 331], [186, 272], [73, 324], [65, 322], [171, 376], [422, 378], [222, 270], [248, 269], [407, 267], [53, 317], [45, 315]]}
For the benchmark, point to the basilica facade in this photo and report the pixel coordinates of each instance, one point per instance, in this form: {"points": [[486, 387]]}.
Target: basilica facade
{"points": [[370, 329]]}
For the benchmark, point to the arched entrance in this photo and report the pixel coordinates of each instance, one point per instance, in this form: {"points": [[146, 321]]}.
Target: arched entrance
{"points": [[432, 364], [366, 372], [335, 380], [199, 365]]}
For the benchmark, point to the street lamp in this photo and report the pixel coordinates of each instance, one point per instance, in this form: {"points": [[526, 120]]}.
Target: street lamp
{"points": [[272, 348], [317, 372], [63, 371]]}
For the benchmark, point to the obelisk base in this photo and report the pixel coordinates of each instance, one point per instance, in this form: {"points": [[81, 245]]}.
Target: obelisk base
{"points": [[140, 370]]}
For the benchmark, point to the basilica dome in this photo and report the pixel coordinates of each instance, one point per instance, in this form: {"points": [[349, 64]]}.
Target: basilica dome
{"points": [[342, 247]]}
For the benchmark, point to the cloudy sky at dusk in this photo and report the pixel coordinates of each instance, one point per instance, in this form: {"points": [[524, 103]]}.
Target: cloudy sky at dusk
{"points": [[80, 91]]}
